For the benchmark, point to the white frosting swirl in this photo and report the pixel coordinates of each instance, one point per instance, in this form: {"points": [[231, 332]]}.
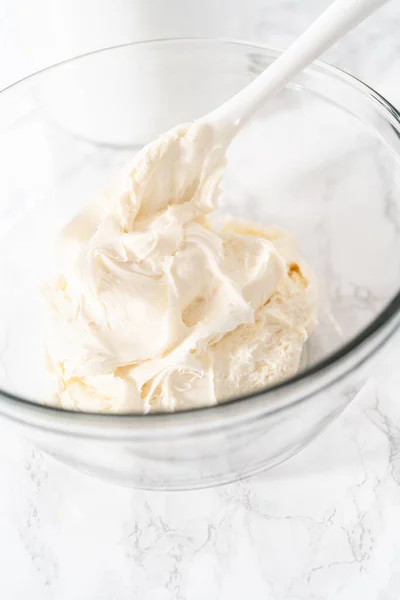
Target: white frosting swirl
{"points": [[157, 310]]}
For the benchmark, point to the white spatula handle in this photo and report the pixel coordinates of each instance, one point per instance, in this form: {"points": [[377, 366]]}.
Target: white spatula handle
{"points": [[334, 23]]}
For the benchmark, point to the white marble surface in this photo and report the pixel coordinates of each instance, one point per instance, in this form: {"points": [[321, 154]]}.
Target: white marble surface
{"points": [[323, 526]]}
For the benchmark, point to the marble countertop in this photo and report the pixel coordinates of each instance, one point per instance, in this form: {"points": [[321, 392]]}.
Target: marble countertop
{"points": [[323, 526]]}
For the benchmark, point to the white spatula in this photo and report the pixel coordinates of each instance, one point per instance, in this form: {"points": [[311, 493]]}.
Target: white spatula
{"points": [[340, 18]]}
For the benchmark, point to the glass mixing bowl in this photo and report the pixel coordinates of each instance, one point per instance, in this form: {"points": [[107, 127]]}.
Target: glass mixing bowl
{"points": [[321, 159]]}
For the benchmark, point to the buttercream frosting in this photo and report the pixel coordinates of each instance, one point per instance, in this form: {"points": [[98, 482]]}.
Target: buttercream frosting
{"points": [[155, 308]]}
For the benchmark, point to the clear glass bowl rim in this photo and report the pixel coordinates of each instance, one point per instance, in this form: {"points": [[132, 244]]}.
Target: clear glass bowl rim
{"points": [[388, 318]]}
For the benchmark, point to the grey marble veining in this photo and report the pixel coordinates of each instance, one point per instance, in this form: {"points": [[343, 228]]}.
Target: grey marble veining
{"points": [[323, 526]]}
